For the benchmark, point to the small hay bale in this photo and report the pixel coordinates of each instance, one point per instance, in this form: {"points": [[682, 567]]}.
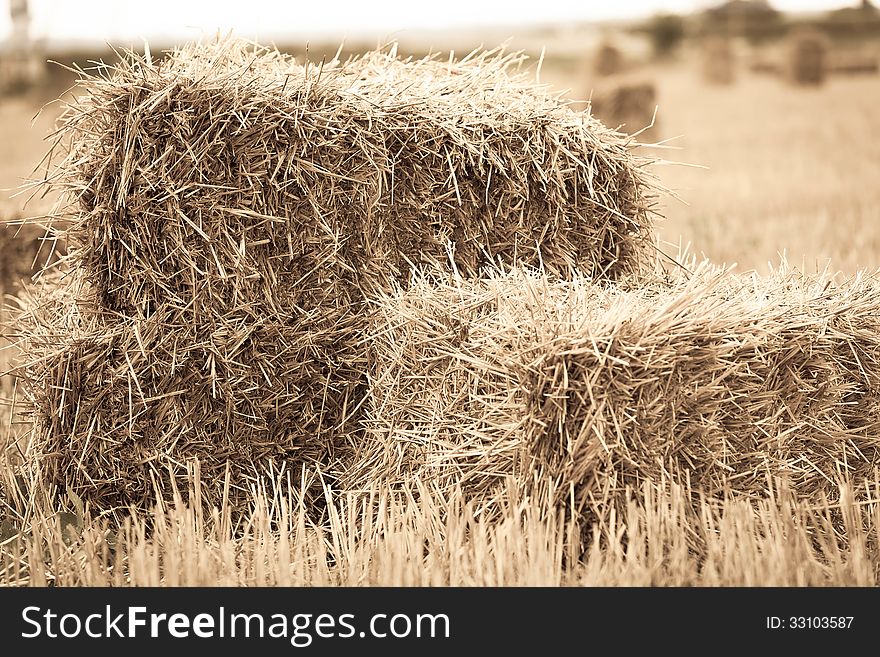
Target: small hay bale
{"points": [[718, 61], [233, 209], [590, 390], [628, 106], [608, 60], [25, 250], [807, 57], [727, 380], [761, 65]]}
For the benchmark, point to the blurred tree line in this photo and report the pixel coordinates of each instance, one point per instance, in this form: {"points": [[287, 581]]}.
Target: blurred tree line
{"points": [[757, 21]]}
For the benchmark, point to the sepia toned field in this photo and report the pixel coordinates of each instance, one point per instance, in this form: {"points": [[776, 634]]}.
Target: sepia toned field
{"points": [[759, 173], [761, 168], [790, 171]]}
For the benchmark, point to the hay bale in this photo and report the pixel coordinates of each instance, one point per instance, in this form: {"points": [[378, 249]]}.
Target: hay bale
{"points": [[589, 389], [627, 106], [727, 381], [26, 249], [807, 57], [443, 405], [608, 60], [123, 405], [718, 60], [234, 209], [369, 167], [764, 66]]}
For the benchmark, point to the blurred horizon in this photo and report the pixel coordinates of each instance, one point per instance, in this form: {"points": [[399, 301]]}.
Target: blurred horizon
{"points": [[58, 24]]}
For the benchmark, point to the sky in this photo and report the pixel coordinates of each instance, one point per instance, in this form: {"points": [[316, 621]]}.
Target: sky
{"points": [[133, 20]]}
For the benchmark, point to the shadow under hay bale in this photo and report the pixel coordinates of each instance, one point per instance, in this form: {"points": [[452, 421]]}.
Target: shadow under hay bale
{"points": [[591, 390], [233, 211], [718, 61], [807, 57], [629, 106]]}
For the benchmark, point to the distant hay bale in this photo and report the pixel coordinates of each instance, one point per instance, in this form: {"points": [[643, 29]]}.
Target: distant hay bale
{"points": [[718, 61], [630, 106], [609, 59], [722, 379], [25, 250], [233, 209], [21, 71], [807, 52], [22, 254]]}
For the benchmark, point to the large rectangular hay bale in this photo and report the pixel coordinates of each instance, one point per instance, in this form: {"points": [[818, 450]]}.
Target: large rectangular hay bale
{"points": [[725, 379], [229, 173]]}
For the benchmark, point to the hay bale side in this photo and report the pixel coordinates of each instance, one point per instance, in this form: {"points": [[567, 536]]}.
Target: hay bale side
{"points": [[587, 389], [853, 63], [628, 106], [727, 380], [807, 57], [121, 409], [761, 65], [229, 171], [718, 61], [608, 59]]}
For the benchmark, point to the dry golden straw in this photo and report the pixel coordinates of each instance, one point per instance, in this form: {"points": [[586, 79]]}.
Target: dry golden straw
{"points": [[726, 381], [232, 209]]}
